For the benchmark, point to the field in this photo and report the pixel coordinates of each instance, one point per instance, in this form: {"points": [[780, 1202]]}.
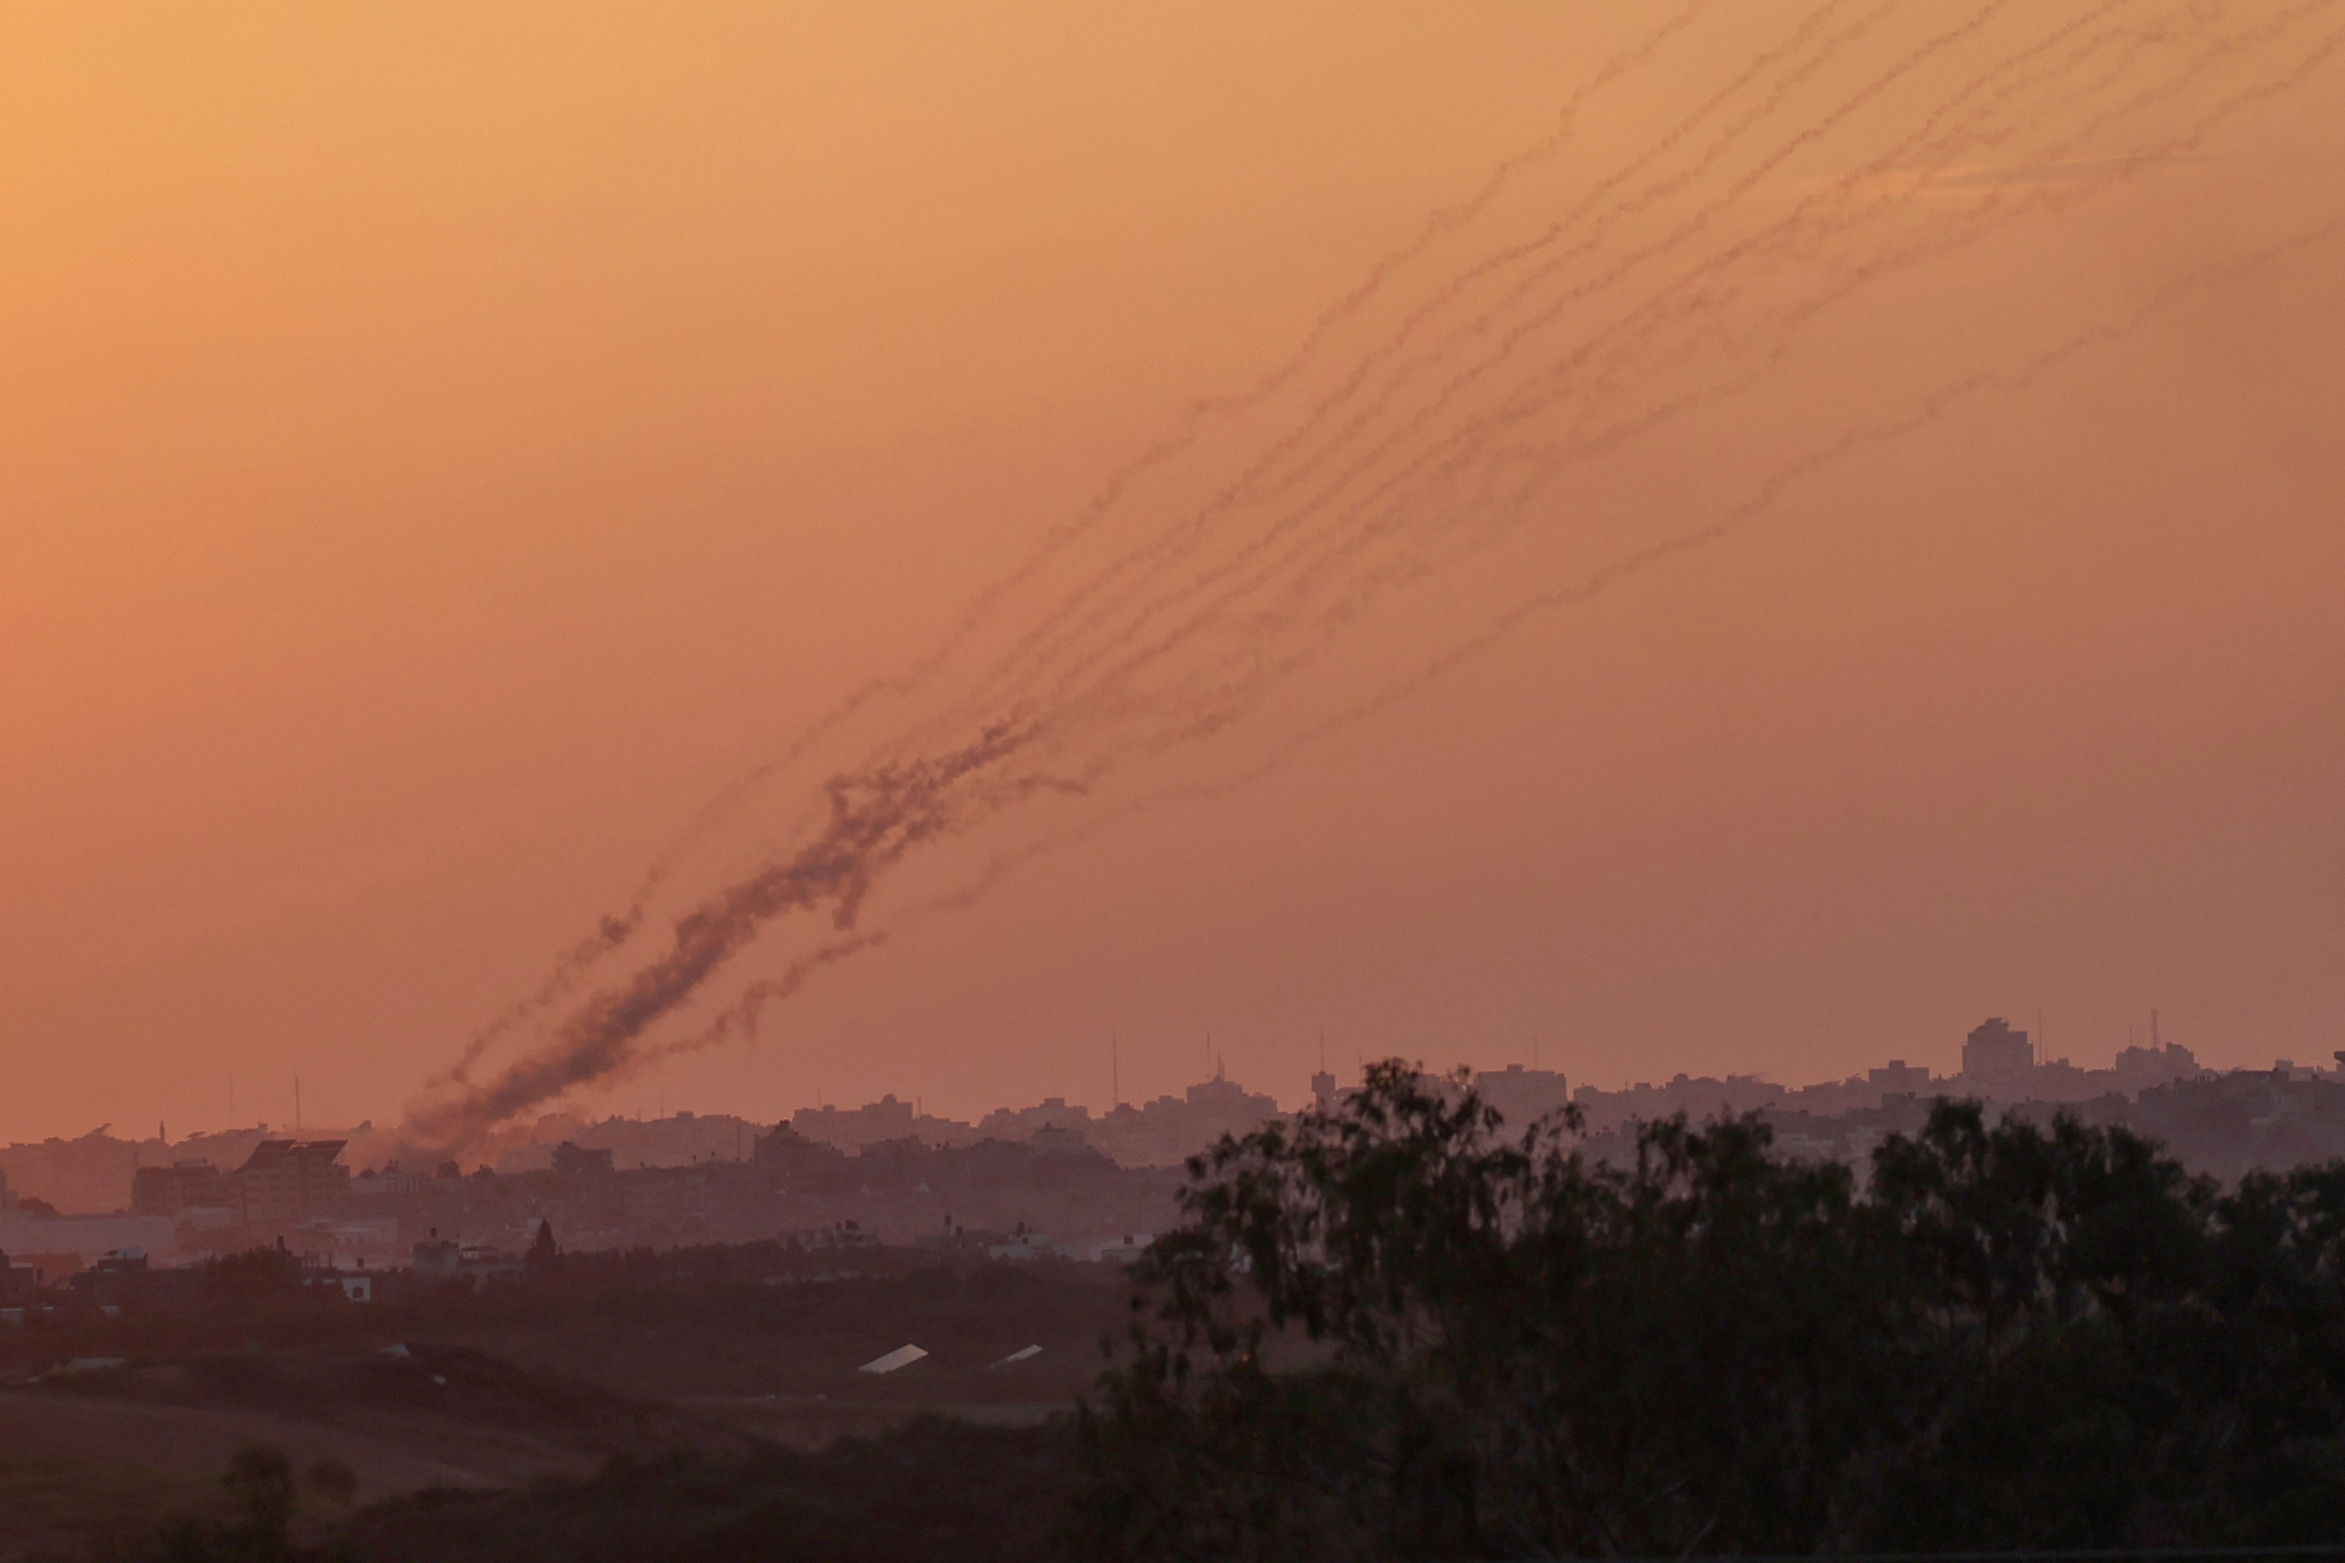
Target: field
{"points": [[538, 1388]]}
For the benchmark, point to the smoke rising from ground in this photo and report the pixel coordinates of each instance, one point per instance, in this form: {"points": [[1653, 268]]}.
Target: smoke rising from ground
{"points": [[1481, 402]]}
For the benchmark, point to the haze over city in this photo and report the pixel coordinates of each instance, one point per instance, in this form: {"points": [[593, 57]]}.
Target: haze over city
{"points": [[1889, 575]]}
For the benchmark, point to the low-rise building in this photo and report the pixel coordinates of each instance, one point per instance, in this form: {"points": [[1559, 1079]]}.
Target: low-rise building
{"points": [[839, 1234], [284, 1183], [184, 1185], [573, 1160], [1121, 1250], [1897, 1075], [1024, 1243], [449, 1259], [1521, 1095], [125, 1277], [346, 1242], [355, 1284]]}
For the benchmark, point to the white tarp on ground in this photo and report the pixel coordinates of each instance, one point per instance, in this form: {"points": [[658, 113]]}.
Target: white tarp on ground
{"points": [[901, 1357], [1020, 1355]]}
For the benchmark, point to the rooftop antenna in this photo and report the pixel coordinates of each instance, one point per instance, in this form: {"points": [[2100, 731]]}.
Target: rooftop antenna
{"points": [[1115, 1071], [1534, 1050], [297, 1104], [231, 1101], [2153, 1028]]}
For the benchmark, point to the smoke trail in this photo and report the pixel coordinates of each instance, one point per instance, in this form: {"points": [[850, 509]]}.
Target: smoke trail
{"points": [[614, 930], [1467, 443], [1755, 507], [1133, 620], [1762, 501], [1285, 665], [569, 969], [1100, 711], [1250, 484], [876, 816], [1358, 296], [1130, 620], [1587, 218], [1390, 492], [1439, 225]]}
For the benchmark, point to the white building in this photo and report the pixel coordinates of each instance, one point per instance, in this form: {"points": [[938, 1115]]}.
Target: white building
{"points": [[1121, 1250]]}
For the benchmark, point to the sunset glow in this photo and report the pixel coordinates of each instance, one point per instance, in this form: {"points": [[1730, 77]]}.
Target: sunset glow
{"points": [[1697, 538]]}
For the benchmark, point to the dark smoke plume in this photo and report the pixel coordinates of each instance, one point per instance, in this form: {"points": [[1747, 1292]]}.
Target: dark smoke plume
{"points": [[1526, 336]]}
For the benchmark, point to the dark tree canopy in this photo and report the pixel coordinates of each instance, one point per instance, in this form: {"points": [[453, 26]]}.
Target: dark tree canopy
{"points": [[1400, 1329]]}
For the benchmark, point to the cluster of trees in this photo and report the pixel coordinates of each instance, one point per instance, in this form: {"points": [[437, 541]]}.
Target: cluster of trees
{"points": [[1394, 1329], [1400, 1329], [261, 1496]]}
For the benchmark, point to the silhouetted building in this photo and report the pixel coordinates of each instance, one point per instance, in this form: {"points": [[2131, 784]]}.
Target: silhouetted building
{"points": [[1023, 1123], [839, 1234], [446, 1259], [885, 1119], [285, 1182], [1522, 1095], [579, 1161], [1697, 1096], [1169, 1129], [802, 1161], [1897, 1075], [1323, 1090], [125, 1277], [1995, 1052], [166, 1191], [1024, 1243], [2147, 1066]]}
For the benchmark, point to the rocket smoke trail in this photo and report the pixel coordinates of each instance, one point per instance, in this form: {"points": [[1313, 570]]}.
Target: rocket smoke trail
{"points": [[614, 931], [740, 1017], [1552, 322]]}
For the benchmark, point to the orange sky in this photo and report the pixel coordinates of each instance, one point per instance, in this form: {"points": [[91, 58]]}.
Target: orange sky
{"points": [[440, 450]]}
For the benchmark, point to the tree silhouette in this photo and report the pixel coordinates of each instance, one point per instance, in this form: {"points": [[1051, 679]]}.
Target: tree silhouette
{"points": [[1394, 1328]]}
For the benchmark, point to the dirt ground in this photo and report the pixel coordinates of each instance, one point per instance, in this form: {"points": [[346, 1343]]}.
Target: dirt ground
{"points": [[815, 1421], [113, 1453]]}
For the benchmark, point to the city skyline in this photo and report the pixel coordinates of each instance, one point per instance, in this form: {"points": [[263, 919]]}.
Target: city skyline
{"points": [[1289, 1081], [1995, 1061], [885, 1171]]}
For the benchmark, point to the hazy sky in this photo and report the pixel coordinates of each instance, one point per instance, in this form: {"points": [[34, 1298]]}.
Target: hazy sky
{"points": [[442, 448]]}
